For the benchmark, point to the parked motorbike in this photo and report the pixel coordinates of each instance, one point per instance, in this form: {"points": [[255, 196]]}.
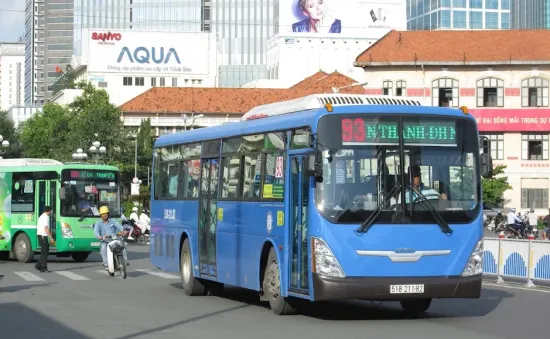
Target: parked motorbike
{"points": [[116, 257], [140, 237]]}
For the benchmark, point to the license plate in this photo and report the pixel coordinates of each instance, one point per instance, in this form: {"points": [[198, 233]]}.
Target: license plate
{"points": [[406, 289], [95, 244]]}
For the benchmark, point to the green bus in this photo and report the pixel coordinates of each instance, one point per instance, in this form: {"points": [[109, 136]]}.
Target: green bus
{"points": [[75, 191]]}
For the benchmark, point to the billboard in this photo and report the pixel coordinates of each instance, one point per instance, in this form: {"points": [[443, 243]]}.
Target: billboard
{"points": [[345, 18], [123, 51]]}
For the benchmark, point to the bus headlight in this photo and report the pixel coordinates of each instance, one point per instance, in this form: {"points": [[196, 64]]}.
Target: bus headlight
{"points": [[323, 260], [475, 262], [66, 230]]}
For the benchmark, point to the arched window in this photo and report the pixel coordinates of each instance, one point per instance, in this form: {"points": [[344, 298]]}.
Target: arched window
{"points": [[490, 92], [400, 88], [445, 92], [534, 92], [387, 88]]}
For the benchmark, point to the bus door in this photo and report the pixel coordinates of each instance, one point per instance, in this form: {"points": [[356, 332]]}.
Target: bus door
{"points": [[299, 196], [46, 195], [208, 206]]}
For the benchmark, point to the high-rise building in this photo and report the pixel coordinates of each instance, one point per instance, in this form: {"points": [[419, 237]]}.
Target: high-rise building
{"points": [[48, 46], [530, 14], [458, 14], [12, 74]]}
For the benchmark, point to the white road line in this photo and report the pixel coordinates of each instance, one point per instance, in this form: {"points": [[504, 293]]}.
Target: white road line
{"points": [[71, 275], [116, 274], [158, 274], [28, 276], [518, 287]]}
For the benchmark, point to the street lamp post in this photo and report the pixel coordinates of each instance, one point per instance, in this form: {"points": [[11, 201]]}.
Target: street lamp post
{"points": [[80, 155], [4, 145], [97, 150], [193, 117]]}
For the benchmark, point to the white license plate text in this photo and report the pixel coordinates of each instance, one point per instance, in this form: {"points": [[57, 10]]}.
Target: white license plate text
{"points": [[406, 289]]}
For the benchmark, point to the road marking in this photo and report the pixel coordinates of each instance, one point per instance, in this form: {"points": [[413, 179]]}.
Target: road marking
{"points": [[28, 276], [71, 275], [158, 274], [117, 273], [518, 287]]}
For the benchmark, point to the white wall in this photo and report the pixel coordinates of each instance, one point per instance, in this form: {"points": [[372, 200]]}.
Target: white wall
{"points": [[12, 75], [292, 59], [19, 114]]}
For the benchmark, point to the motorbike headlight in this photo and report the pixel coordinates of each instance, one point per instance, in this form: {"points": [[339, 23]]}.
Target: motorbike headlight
{"points": [[66, 230]]}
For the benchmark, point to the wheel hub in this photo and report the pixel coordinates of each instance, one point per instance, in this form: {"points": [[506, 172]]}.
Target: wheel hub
{"points": [[186, 267]]}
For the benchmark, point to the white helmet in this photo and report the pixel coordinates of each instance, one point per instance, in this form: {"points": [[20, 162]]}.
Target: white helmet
{"points": [[135, 209]]}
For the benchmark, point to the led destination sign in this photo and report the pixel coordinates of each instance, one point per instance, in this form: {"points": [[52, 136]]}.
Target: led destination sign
{"points": [[421, 133], [92, 175]]}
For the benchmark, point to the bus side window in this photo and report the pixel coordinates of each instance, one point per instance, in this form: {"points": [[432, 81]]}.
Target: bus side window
{"points": [[22, 199]]}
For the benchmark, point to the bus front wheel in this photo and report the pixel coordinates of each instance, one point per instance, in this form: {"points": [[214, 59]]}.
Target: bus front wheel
{"points": [[190, 285], [416, 307], [22, 249], [80, 256], [272, 287]]}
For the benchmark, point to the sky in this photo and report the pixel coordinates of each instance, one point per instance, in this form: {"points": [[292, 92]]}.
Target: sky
{"points": [[12, 20]]}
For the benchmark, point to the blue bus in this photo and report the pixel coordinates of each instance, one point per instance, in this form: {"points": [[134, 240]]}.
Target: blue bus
{"points": [[325, 197]]}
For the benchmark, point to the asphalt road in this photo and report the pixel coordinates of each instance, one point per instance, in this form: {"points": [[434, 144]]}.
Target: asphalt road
{"points": [[79, 301]]}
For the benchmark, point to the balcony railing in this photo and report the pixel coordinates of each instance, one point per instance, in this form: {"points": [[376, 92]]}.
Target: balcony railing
{"points": [[176, 122]]}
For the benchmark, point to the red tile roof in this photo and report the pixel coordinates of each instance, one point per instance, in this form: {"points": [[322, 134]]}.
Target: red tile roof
{"points": [[458, 47], [232, 100]]}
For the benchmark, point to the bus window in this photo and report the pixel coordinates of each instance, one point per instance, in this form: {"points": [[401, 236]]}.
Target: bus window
{"points": [[231, 175], [274, 176], [168, 180], [22, 198], [190, 179], [252, 179]]}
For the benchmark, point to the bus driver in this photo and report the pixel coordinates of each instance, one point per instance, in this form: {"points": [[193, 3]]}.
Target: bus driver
{"points": [[418, 188]]}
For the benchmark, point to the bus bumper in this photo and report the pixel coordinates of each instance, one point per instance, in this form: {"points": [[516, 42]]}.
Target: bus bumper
{"points": [[330, 288]]}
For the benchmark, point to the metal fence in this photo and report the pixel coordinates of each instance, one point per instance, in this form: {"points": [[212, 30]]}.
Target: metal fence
{"points": [[514, 259]]}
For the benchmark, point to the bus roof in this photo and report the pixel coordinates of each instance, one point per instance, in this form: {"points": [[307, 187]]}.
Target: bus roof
{"points": [[31, 164], [316, 101], [307, 110]]}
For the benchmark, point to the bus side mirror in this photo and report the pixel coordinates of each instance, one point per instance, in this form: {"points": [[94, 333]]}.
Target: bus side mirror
{"points": [[486, 164], [62, 193], [313, 167]]}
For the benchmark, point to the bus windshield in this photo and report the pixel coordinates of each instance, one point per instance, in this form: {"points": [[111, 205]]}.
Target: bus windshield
{"points": [[430, 171], [87, 190]]}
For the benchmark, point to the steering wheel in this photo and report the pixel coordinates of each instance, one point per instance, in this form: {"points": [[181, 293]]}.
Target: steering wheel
{"points": [[419, 199]]}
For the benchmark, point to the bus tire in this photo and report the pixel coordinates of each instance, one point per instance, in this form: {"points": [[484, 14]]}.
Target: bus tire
{"points": [[416, 308], [80, 256], [272, 287], [190, 285], [22, 249]]}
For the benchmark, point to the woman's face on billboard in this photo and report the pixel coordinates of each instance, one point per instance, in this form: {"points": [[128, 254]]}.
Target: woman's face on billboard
{"points": [[314, 9]]}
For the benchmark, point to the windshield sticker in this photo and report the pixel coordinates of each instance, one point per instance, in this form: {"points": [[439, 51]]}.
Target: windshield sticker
{"points": [[268, 191], [29, 187], [341, 172], [269, 222], [279, 168], [112, 184]]}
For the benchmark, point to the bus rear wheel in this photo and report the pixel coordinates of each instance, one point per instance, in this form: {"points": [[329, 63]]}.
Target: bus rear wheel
{"points": [[190, 285], [272, 287], [22, 249], [416, 307], [80, 256]]}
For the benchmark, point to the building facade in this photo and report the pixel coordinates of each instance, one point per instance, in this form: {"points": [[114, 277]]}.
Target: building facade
{"points": [[507, 91], [12, 75], [19, 114], [458, 14], [532, 14]]}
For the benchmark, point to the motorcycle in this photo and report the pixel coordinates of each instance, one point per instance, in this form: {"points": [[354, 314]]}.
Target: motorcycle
{"points": [[116, 257], [140, 237]]}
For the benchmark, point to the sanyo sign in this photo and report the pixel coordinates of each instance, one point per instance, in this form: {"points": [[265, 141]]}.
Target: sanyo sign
{"points": [[144, 55]]}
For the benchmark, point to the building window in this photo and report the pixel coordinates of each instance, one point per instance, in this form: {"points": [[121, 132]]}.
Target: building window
{"points": [[153, 82], [127, 81], [476, 4], [534, 146], [174, 82], [140, 81], [534, 197], [491, 20], [504, 4], [490, 92], [496, 146], [491, 4], [445, 92], [459, 19], [534, 92], [400, 88], [476, 20], [387, 88], [162, 82]]}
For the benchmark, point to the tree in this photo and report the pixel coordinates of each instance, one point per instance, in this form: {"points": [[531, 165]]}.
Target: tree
{"points": [[8, 132], [494, 188], [145, 140], [47, 135]]}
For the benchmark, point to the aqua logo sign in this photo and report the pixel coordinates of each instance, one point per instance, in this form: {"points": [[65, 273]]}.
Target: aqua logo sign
{"points": [[144, 55]]}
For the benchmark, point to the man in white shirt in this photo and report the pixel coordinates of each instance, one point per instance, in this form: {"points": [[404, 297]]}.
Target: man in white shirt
{"points": [[43, 232]]}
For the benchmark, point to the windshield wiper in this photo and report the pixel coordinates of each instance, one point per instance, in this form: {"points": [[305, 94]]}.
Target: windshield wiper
{"points": [[438, 218], [367, 224]]}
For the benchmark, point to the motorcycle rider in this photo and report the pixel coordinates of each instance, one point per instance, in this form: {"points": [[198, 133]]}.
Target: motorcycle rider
{"points": [[533, 222], [144, 218], [546, 222], [105, 230], [514, 222]]}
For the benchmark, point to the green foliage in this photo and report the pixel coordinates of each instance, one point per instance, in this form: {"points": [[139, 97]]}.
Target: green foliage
{"points": [[65, 81], [145, 140], [8, 132], [494, 188]]}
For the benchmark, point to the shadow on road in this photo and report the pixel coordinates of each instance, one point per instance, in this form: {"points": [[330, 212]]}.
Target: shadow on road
{"points": [[17, 288], [21, 322]]}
